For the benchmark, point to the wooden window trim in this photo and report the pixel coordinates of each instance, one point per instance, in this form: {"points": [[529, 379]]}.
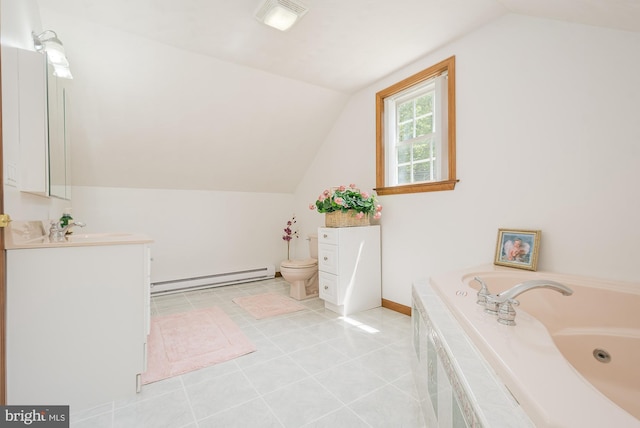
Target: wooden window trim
{"points": [[449, 184]]}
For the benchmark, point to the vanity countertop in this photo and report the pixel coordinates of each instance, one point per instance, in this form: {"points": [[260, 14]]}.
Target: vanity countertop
{"points": [[31, 235]]}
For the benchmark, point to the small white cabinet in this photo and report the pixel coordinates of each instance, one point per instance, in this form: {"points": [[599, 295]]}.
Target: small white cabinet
{"points": [[349, 268], [77, 322]]}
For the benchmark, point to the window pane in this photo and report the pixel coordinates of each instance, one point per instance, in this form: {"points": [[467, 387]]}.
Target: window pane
{"points": [[424, 104], [421, 151], [404, 154], [405, 131], [422, 171], [405, 111], [424, 125], [404, 174]]}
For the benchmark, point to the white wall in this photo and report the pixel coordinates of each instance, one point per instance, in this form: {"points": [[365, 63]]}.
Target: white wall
{"points": [[195, 233], [546, 139], [18, 19], [148, 115]]}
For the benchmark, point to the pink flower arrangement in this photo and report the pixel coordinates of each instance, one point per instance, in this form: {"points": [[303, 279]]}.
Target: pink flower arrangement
{"points": [[344, 198]]}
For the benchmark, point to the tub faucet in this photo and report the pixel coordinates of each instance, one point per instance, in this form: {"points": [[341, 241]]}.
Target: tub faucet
{"points": [[502, 304], [57, 231]]}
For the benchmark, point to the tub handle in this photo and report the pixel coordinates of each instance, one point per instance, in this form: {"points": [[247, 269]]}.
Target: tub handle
{"points": [[483, 292], [506, 313]]}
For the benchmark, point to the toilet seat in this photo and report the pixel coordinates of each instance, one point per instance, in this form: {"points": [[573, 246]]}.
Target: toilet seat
{"points": [[299, 264]]}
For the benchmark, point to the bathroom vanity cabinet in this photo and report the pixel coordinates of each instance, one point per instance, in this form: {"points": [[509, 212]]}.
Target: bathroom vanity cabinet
{"points": [[349, 268], [77, 322]]}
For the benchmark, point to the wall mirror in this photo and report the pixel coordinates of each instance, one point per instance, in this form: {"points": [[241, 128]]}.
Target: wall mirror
{"points": [[59, 144]]}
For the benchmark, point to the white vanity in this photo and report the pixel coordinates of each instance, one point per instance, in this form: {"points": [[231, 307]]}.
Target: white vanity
{"points": [[77, 318], [349, 268]]}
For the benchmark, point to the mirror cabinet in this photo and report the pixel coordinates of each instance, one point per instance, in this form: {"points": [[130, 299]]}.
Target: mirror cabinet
{"points": [[58, 138], [42, 101]]}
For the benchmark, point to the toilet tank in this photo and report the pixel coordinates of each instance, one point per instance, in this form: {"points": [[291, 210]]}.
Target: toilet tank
{"points": [[313, 246]]}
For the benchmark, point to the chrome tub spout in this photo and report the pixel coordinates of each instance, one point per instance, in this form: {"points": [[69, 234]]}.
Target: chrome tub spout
{"points": [[518, 289], [502, 304]]}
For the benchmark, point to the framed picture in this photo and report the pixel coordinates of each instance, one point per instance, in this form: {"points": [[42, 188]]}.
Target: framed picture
{"points": [[518, 248]]}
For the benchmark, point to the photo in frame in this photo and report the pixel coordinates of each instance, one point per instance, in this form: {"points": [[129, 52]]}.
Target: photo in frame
{"points": [[518, 248]]}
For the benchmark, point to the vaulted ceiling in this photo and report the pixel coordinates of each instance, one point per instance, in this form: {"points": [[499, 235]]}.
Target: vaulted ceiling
{"points": [[338, 44], [209, 98]]}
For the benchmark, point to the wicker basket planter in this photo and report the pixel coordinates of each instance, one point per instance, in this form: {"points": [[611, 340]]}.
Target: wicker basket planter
{"points": [[345, 219]]}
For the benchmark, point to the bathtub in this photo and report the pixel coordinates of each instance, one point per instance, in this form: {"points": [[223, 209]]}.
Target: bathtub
{"points": [[554, 360]]}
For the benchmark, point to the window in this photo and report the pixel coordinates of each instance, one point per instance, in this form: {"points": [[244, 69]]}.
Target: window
{"points": [[415, 132]]}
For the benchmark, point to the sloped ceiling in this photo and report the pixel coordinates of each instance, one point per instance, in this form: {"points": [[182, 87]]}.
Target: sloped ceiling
{"points": [[286, 88], [338, 44]]}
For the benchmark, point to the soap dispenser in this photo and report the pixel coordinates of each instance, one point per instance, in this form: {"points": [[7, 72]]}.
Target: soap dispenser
{"points": [[66, 219]]}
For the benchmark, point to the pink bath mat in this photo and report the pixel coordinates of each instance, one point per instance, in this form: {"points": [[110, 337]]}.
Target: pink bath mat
{"points": [[267, 305], [188, 341]]}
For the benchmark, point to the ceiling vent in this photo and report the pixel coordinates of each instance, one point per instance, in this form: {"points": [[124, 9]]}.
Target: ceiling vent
{"points": [[280, 14]]}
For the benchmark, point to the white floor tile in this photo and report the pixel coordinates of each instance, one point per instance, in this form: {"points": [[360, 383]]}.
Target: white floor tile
{"points": [[350, 381], [342, 418], [299, 403], [274, 374], [210, 397], [318, 358], [165, 411], [254, 414], [389, 407], [312, 368], [98, 421], [387, 363]]}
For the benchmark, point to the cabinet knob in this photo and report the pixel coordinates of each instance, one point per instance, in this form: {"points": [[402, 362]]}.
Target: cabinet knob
{"points": [[325, 235], [326, 258], [326, 287]]}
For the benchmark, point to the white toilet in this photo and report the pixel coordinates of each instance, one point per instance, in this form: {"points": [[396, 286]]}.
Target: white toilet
{"points": [[303, 274]]}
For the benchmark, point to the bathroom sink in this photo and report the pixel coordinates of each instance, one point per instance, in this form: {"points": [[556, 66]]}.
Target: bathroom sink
{"points": [[36, 240], [96, 236], [33, 234]]}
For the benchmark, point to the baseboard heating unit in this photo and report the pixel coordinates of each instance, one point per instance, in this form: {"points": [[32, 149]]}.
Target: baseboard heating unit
{"points": [[215, 280]]}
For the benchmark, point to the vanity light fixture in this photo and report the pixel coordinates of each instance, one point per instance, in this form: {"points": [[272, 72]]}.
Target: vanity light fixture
{"points": [[48, 43], [280, 14]]}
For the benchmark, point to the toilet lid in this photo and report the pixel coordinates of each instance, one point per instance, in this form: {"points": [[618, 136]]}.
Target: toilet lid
{"points": [[298, 264]]}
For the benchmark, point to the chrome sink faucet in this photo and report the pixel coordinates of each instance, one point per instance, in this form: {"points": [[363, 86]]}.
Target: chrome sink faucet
{"points": [[57, 231], [502, 304]]}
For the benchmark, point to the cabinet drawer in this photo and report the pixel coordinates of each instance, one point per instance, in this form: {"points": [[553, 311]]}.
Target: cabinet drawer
{"points": [[327, 235], [328, 258], [328, 287]]}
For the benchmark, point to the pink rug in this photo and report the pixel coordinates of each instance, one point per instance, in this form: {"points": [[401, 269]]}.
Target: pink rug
{"points": [[267, 305], [188, 341]]}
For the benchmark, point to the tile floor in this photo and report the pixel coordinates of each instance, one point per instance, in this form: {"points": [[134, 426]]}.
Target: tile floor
{"points": [[312, 369]]}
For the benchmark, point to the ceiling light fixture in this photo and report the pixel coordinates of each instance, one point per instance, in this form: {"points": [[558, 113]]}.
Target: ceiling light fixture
{"points": [[280, 14], [48, 43]]}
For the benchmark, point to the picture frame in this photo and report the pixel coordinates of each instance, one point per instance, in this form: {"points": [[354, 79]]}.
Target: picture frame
{"points": [[518, 248]]}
